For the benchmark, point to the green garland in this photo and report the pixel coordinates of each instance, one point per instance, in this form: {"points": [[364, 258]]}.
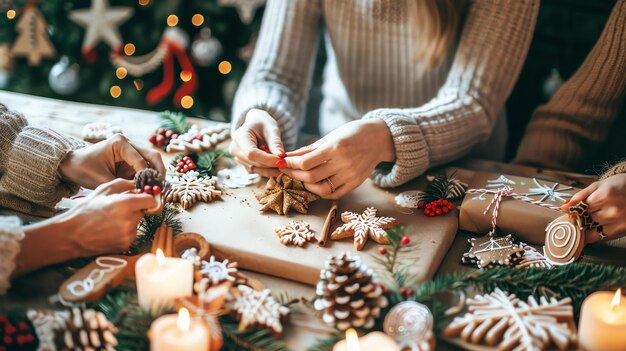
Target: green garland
{"points": [[175, 121], [149, 225]]}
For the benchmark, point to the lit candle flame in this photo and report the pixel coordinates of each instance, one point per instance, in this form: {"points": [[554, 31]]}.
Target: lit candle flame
{"points": [[160, 257], [616, 299], [183, 319], [352, 340]]}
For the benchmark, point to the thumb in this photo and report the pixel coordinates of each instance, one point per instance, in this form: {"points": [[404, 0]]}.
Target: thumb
{"points": [[274, 142], [580, 196]]}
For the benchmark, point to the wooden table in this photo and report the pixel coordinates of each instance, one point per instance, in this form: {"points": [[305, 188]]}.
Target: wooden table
{"points": [[69, 117]]}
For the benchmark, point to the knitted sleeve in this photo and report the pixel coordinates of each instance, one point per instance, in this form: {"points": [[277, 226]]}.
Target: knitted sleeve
{"points": [[10, 235], [29, 160], [279, 75], [617, 169], [562, 133], [493, 45]]}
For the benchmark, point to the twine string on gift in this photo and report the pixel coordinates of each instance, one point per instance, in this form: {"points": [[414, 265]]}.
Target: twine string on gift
{"points": [[506, 191]]}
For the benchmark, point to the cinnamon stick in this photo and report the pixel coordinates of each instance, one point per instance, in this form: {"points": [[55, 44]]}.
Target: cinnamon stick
{"points": [[168, 248], [330, 219]]}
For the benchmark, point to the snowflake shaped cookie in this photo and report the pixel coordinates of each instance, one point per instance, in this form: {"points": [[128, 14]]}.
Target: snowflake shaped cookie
{"points": [[191, 188], [259, 309], [512, 324], [364, 226], [219, 271], [294, 233], [489, 250]]}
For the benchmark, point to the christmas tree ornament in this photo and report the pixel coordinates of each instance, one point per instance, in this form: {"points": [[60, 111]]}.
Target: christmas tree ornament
{"points": [[86, 329], [205, 49], [245, 8], [258, 309], [348, 293], [489, 251], [503, 319], [364, 226], [281, 194], [171, 48], [294, 233], [99, 131], [237, 177], [102, 23], [150, 181], [411, 324], [33, 41], [197, 140], [64, 77], [564, 241], [191, 188], [91, 282]]}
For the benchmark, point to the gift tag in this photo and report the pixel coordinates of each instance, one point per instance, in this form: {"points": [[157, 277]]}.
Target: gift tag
{"points": [[564, 241]]}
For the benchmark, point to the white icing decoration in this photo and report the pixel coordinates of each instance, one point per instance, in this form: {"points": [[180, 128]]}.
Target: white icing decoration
{"points": [[83, 287], [198, 140], [500, 182], [551, 193], [237, 177], [217, 271], [259, 308], [561, 235], [100, 130]]}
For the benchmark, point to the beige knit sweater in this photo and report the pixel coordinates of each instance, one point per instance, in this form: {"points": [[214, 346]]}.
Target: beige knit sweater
{"points": [[434, 118], [567, 131], [29, 180]]}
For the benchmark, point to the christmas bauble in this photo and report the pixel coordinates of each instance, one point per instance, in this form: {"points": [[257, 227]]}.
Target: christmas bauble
{"points": [[64, 77], [411, 324], [206, 49]]}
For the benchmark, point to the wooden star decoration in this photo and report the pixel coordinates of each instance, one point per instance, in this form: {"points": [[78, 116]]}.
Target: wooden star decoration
{"points": [[283, 193], [102, 23], [245, 8], [364, 226], [489, 250]]}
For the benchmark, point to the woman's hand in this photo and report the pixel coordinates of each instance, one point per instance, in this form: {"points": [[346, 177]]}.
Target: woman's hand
{"points": [[103, 223], [259, 128], [607, 205], [346, 157], [102, 162]]}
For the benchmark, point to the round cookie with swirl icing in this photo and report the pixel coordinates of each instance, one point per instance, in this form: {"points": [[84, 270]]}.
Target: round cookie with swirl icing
{"points": [[564, 241]]}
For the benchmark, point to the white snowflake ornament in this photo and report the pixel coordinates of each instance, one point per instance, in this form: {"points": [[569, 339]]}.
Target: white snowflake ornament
{"points": [[294, 233], [191, 188], [102, 23], [237, 177], [364, 226]]}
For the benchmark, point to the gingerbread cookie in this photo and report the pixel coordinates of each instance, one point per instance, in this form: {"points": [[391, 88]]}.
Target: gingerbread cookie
{"points": [[564, 241], [91, 282], [294, 233], [98, 131], [364, 226], [489, 250]]}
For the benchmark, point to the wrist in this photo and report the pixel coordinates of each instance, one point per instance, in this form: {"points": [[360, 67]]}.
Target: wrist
{"points": [[384, 145], [66, 167]]}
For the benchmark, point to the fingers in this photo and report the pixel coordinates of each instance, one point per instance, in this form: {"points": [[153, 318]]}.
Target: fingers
{"points": [[305, 149], [308, 161], [155, 159], [272, 137], [324, 189], [245, 147], [137, 202], [115, 186], [315, 175], [265, 172], [124, 151], [580, 196]]}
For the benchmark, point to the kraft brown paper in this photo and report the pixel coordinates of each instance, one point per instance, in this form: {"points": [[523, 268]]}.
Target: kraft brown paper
{"points": [[525, 221], [235, 228]]}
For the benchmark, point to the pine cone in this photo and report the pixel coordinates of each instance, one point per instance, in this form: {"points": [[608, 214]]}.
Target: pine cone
{"points": [[348, 293], [86, 329], [149, 177]]}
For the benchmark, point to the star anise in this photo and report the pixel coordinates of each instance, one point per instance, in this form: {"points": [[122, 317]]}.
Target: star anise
{"points": [[283, 193]]}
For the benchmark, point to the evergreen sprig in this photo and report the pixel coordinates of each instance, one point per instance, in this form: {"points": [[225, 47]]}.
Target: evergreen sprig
{"points": [[149, 225], [254, 340], [394, 270], [205, 162], [175, 121], [438, 188]]}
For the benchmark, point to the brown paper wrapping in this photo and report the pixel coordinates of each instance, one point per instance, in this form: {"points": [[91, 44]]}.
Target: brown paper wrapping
{"points": [[525, 221], [235, 229]]}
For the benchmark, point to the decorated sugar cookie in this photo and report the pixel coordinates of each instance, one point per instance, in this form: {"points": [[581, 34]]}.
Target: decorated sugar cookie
{"points": [[564, 241], [490, 250], [98, 131], [364, 226]]}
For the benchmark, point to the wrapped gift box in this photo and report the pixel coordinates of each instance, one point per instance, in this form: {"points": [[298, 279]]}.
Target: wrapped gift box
{"points": [[525, 221]]}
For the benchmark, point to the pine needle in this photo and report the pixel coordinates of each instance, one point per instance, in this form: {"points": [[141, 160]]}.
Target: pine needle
{"points": [[175, 121], [149, 225], [437, 189]]}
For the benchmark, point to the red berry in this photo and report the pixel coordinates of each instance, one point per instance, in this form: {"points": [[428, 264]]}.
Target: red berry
{"points": [[169, 133], [160, 140], [405, 240], [8, 340], [432, 214], [192, 166], [153, 139], [22, 326], [420, 204], [161, 131], [438, 212], [428, 206], [186, 158], [185, 168], [410, 292], [156, 190], [180, 163], [445, 210], [382, 250], [445, 202], [147, 189], [174, 136], [426, 211], [451, 206], [440, 202], [403, 290]]}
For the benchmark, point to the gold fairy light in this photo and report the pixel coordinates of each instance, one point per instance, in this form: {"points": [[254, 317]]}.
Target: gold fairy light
{"points": [[186, 101], [172, 20], [116, 91], [197, 20], [224, 67], [11, 14], [129, 49], [185, 76], [121, 72]]}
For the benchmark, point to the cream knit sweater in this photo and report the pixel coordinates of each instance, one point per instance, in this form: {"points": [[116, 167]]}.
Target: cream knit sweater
{"points": [[29, 180], [371, 73]]}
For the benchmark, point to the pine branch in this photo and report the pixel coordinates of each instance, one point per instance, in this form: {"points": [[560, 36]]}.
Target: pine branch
{"points": [[437, 189], [175, 121], [395, 273], [149, 225], [260, 340]]}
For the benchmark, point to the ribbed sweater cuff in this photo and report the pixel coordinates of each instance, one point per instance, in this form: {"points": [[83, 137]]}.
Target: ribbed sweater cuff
{"points": [[410, 147], [11, 234], [617, 169], [275, 100], [32, 167]]}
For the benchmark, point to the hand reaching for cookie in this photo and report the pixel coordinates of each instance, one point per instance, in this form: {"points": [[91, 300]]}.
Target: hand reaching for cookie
{"points": [[607, 205], [102, 162]]}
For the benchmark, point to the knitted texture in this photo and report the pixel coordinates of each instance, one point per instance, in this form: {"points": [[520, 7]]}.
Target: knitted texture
{"points": [[617, 169], [10, 235], [566, 132], [434, 117]]}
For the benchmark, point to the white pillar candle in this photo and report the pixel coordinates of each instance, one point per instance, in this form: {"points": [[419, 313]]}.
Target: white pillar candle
{"points": [[160, 280], [178, 332], [375, 341], [602, 325]]}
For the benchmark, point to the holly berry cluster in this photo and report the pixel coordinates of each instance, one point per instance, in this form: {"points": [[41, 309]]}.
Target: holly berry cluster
{"points": [[21, 337], [436, 208], [406, 292], [162, 137], [152, 190], [185, 164]]}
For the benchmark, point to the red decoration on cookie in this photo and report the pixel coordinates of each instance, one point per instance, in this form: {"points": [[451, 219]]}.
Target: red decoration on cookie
{"points": [[185, 164]]}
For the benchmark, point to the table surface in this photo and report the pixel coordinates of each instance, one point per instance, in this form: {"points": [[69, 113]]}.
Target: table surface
{"points": [[70, 117]]}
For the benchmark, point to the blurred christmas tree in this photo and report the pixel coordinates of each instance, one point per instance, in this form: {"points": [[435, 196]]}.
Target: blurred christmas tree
{"points": [[151, 54]]}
